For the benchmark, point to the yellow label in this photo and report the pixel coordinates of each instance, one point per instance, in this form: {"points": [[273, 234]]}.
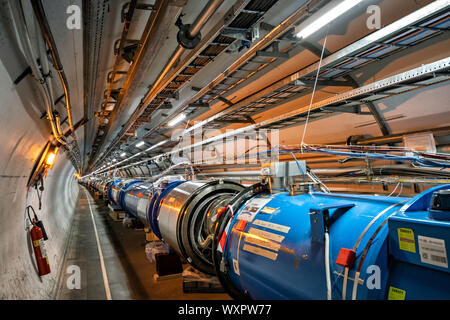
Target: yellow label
{"points": [[406, 240], [396, 294], [36, 243], [268, 210]]}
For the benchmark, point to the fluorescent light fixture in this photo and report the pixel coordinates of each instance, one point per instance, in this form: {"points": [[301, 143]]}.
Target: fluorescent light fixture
{"points": [[123, 154], [156, 145], [140, 144], [114, 160], [328, 17], [177, 119]]}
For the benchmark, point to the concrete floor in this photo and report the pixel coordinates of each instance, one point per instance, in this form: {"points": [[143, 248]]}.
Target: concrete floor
{"points": [[129, 272]]}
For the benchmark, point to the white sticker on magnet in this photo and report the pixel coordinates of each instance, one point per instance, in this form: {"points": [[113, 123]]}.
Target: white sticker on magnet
{"points": [[432, 251], [271, 225], [252, 207]]}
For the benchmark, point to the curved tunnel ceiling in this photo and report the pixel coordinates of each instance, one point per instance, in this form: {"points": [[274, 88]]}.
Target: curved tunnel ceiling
{"points": [[248, 70]]}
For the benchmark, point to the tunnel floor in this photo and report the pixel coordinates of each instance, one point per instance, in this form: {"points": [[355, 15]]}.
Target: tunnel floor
{"points": [[126, 272]]}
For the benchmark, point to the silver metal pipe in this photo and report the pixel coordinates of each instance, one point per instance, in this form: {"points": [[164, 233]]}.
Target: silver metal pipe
{"points": [[22, 32], [48, 37], [169, 212], [24, 39], [158, 85], [204, 16]]}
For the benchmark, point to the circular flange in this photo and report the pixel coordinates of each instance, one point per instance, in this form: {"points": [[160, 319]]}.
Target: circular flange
{"points": [[194, 219], [185, 39]]}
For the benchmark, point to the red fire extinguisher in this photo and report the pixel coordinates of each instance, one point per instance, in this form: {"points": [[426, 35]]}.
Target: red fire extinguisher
{"points": [[39, 250]]}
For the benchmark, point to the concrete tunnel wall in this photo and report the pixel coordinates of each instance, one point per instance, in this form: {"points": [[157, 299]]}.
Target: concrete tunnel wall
{"points": [[22, 141]]}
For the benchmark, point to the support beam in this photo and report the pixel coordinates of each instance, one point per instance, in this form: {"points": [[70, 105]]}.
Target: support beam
{"points": [[228, 102]]}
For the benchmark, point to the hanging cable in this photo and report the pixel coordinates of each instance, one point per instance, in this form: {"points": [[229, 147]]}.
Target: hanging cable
{"points": [[393, 191], [39, 195], [327, 264], [314, 88], [400, 192]]}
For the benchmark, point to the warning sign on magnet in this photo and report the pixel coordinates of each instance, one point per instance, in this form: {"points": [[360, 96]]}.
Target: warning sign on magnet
{"points": [[406, 240]]}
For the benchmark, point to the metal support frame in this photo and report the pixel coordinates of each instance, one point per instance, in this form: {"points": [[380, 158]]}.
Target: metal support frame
{"points": [[416, 75], [349, 51], [207, 40], [333, 59]]}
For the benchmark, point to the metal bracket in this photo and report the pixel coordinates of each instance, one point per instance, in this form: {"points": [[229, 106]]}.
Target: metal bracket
{"points": [[228, 102], [275, 53], [344, 109], [140, 6], [126, 41], [111, 75], [175, 95], [183, 36], [166, 106], [321, 221]]}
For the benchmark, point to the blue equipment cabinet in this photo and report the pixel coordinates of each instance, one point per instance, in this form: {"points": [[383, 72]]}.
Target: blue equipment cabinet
{"points": [[419, 243]]}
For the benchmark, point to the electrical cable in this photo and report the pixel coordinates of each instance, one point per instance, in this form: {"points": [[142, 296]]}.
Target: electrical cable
{"points": [[24, 39], [39, 198], [299, 166], [314, 88], [393, 191], [400, 192], [327, 264], [48, 37], [358, 241]]}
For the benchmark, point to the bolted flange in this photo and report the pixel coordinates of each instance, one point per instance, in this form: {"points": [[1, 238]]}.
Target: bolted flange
{"points": [[184, 38]]}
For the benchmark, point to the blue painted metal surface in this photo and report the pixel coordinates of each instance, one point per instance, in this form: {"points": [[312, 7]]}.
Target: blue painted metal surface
{"points": [[280, 253], [123, 190], [110, 190], [420, 247]]}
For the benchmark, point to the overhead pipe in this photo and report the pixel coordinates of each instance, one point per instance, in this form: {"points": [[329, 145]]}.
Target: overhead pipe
{"points": [[344, 52], [156, 24], [123, 38], [43, 58], [276, 32], [23, 35], [203, 17], [193, 32], [393, 138], [46, 32]]}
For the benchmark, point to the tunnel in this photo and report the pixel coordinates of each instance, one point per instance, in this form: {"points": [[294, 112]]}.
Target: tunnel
{"points": [[233, 150]]}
